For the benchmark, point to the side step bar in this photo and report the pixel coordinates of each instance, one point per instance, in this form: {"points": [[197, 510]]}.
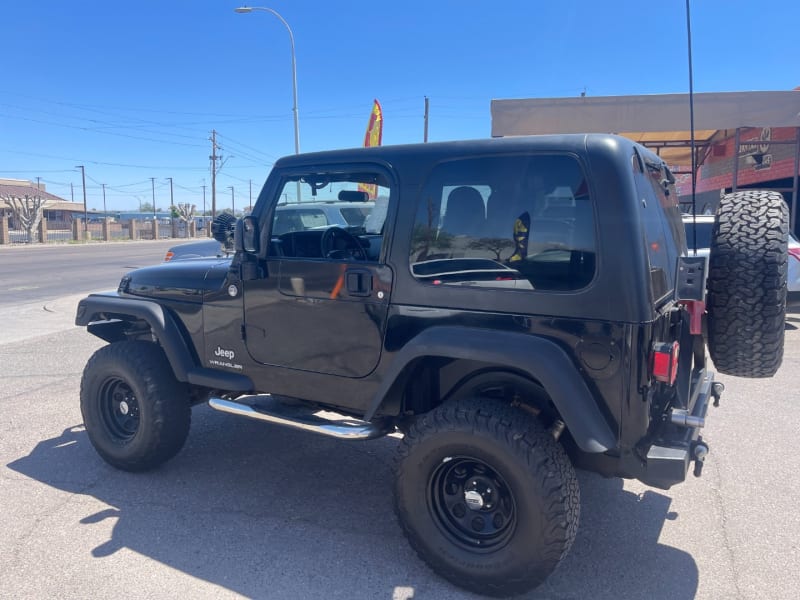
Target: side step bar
{"points": [[301, 416]]}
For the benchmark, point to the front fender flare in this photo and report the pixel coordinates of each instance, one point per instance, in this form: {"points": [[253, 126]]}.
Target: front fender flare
{"points": [[541, 358], [97, 310]]}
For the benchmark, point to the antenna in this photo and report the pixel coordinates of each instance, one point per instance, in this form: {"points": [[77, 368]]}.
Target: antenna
{"points": [[691, 129]]}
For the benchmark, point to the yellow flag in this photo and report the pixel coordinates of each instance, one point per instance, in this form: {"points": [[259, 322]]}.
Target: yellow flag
{"points": [[373, 138]]}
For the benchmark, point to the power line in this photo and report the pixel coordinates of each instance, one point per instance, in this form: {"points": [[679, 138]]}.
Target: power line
{"points": [[98, 109], [134, 137], [40, 171], [242, 144], [107, 124], [107, 164], [229, 176]]}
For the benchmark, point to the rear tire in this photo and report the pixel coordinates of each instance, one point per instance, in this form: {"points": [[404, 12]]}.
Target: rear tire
{"points": [[747, 283], [486, 496], [136, 413]]}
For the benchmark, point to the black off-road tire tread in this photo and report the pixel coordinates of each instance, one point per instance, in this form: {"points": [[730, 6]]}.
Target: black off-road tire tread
{"points": [[747, 277], [550, 469], [168, 399]]}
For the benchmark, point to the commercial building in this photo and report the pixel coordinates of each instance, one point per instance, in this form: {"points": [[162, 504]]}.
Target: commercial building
{"points": [[740, 140]]}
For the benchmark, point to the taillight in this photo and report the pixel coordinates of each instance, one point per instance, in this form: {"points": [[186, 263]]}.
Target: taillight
{"points": [[169, 255], [664, 364], [795, 252]]}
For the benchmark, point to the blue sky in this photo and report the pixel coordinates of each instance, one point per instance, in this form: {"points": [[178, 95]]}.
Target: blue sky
{"points": [[132, 90]]}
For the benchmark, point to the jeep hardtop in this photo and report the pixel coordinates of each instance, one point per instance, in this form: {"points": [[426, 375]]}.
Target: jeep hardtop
{"points": [[516, 308]]}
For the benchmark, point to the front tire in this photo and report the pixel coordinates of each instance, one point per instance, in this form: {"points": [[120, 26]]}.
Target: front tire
{"points": [[136, 413], [486, 496]]}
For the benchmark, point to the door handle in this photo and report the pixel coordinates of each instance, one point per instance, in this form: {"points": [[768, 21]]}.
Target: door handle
{"points": [[359, 282]]}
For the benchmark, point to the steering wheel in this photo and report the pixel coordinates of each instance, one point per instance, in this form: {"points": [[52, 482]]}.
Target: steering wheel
{"points": [[338, 243]]}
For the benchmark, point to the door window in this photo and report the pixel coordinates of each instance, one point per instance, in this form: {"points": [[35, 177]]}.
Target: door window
{"points": [[331, 216]]}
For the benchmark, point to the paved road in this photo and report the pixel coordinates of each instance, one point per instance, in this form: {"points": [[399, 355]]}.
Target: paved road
{"points": [[43, 283], [253, 510], [48, 271]]}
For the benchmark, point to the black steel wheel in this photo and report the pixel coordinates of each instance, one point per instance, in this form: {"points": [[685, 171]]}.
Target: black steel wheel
{"points": [[119, 409], [136, 413], [486, 496], [471, 503]]}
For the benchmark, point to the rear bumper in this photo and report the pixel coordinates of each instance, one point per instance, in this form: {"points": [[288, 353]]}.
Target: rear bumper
{"points": [[669, 457]]}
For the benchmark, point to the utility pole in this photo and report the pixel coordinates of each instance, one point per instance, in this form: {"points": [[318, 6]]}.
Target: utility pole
{"points": [[38, 187], [153, 184], [105, 214], [71, 192], [425, 134], [251, 195], [171, 201], [233, 204], [85, 212], [214, 158]]}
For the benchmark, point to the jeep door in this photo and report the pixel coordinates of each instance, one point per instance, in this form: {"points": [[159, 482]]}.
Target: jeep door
{"points": [[321, 302]]}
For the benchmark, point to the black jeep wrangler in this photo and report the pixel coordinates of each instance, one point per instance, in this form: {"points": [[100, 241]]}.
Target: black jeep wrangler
{"points": [[516, 308]]}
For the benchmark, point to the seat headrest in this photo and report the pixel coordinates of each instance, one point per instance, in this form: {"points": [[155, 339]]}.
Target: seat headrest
{"points": [[465, 213]]}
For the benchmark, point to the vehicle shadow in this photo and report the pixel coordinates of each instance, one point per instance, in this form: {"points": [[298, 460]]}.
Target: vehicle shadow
{"points": [[268, 512]]}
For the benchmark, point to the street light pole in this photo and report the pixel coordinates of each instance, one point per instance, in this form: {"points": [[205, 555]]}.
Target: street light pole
{"points": [[105, 213], [233, 203], [249, 9], [85, 211]]}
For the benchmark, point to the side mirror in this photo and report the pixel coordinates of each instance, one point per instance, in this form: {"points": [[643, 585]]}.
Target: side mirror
{"points": [[246, 237]]}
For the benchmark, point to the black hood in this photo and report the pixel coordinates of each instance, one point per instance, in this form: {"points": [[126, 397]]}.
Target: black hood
{"points": [[186, 280]]}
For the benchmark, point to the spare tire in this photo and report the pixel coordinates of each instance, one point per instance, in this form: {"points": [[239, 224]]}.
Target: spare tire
{"points": [[747, 276]]}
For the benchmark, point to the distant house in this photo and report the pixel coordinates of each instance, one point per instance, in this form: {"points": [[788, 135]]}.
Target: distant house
{"points": [[56, 209]]}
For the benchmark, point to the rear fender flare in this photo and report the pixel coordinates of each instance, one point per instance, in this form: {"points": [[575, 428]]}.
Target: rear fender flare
{"points": [[538, 357]]}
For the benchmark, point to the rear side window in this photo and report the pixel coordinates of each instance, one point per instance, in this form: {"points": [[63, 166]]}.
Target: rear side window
{"points": [[507, 222], [660, 215]]}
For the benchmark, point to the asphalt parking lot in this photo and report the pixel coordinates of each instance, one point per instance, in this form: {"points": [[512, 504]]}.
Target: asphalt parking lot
{"points": [[257, 511]]}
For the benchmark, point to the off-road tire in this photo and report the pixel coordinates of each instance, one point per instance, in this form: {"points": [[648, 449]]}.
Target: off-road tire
{"points": [[528, 466], [137, 415], [746, 299]]}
